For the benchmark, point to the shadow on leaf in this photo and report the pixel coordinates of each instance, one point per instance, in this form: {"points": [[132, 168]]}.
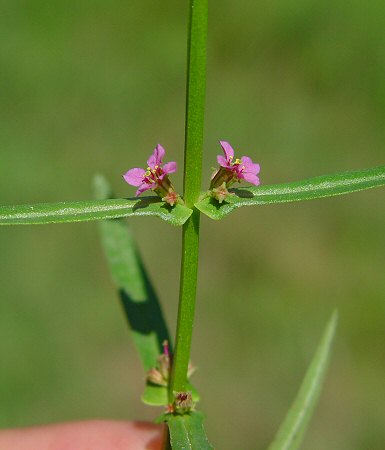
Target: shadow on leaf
{"points": [[145, 202], [138, 297], [215, 203], [145, 316], [242, 193]]}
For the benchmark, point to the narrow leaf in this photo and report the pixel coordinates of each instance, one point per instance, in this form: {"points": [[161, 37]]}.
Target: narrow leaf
{"points": [[138, 297], [179, 435], [292, 430], [187, 432], [313, 188], [80, 211]]}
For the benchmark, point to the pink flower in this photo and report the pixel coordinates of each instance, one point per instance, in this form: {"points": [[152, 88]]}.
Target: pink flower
{"points": [[230, 171], [242, 169], [155, 177]]}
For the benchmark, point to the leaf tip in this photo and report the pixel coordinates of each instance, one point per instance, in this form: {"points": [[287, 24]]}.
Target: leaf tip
{"points": [[333, 322]]}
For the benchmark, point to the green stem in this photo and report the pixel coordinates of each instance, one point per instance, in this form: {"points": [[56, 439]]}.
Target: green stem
{"points": [[189, 271], [195, 98]]}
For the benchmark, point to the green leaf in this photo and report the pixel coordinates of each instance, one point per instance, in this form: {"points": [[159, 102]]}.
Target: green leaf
{"points": [[80, 211], [292, 430], [158, 395], [187, 432], [154, 395], [138, 297], [323, 186]]}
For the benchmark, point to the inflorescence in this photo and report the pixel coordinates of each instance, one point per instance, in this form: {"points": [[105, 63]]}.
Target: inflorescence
{"points": [[230, 171]]}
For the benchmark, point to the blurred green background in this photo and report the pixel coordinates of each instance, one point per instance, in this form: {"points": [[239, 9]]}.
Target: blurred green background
{"points": [[299, 86]]}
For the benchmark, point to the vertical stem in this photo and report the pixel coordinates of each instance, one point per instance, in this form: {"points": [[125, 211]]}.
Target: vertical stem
{"points": [[187, 294], [195, 98]]}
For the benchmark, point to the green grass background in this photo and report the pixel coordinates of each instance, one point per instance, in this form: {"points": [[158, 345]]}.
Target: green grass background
{"points": [[299, 86]]}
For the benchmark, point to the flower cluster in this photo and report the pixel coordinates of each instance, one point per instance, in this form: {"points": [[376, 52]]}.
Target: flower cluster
{"points": [[155, 177], [231, 171], [183, 403], [160, 375]]}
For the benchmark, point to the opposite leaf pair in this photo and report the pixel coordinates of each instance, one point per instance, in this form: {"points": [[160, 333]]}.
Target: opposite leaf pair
{"points": [[156, 176]]}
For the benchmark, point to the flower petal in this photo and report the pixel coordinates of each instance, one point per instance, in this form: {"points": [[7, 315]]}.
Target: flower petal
{"points": [[170, 167], [246, 160], [222, 161], [227, 149], [249, 165], [134, 176], [157, 156], [142, 188], [250, 178]]}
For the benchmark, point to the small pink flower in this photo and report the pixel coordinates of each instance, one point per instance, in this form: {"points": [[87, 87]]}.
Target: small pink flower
{"points": [[230, 171], [155, 177], [243, 169]]}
